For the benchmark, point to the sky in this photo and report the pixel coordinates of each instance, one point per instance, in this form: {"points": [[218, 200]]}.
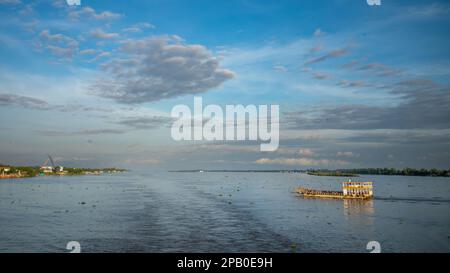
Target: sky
{"points": [[93, 85]]}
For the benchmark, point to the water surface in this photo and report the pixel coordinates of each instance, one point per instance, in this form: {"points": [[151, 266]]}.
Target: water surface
{"points": [[220, 212]]}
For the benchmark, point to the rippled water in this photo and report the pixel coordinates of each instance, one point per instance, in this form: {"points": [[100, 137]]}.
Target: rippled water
{"points": [[220, 212]]}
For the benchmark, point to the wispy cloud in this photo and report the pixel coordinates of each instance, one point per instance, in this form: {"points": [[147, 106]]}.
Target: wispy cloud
{"points": [[380, 70], [146, 122], [321, 76], [280, 68], [59, 44], [85, 132], [346, 83], [88, 51], [101, 34], [139, 27], [91, 13], [10, 2], [13, 100], [424, 104], [305, 162], [143, 161], [23, 101], [332, 54], [318, 32]]}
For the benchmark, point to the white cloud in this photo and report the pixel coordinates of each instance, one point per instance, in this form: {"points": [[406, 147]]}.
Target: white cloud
{"points": [[300, 162], [57, 38], [59, 44], [332, 54], [320, 76], [318, 32], [10, 2], [345, 154], [101, 55], [91, 13], [61, 51], [139, 27], [144, 25], [305, 152], [156, 68], [145, 161], [132, 29], [88, 51], [101, 34], [280, 68], [346, 83]]}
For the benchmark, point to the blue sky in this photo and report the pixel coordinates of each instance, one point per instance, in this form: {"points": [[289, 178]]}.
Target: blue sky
{"points": [[357, 85]]}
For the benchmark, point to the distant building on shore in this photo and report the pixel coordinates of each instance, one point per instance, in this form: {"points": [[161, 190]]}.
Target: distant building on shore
{"points": [[4, 169], [47, 169]]}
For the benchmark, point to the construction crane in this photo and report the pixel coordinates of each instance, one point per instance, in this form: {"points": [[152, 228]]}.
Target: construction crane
{"points": [[51, 160], [47, 160], [53, 168]]}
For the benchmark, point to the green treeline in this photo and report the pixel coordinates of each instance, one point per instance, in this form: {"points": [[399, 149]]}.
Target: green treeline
{"points": [[32, 171], [384, 171], [331, 173]]}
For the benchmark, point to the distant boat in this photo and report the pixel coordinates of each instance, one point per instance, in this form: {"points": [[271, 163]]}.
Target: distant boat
{"points": [[350, 190], [201, 171]]}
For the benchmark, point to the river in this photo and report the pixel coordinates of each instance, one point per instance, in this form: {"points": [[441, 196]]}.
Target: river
{"points": [[220, 212]]}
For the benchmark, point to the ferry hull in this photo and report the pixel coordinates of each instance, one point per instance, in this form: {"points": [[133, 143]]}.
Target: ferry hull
{"points": [[345, 194], [335, 196]]}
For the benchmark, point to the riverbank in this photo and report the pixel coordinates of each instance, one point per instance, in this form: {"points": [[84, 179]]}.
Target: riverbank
{"points": [[11, 172], [8, 176], [339, 174], [384, 171]]}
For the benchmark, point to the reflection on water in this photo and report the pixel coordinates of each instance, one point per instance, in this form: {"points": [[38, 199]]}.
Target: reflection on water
{"points": [[355, 207], [220, 212], [360, 209]]}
